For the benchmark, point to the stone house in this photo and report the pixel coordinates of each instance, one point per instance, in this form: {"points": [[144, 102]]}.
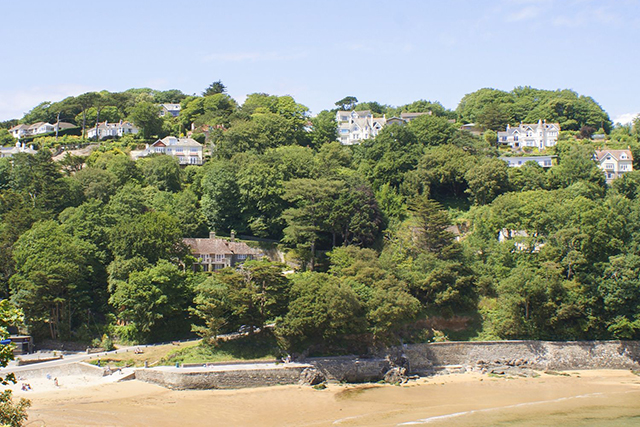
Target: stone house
{"points": [[214, 253]]}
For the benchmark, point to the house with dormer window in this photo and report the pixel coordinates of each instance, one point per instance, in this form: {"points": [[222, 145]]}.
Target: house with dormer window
{"points": [[356, 126], [614, 163], [539, 135], [188, 151]]}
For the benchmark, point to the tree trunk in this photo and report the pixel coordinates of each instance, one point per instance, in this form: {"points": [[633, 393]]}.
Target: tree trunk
{"points": [[57, 125], [84, 121]]}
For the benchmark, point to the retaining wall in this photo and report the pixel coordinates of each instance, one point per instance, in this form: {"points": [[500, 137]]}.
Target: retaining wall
{"points": [[350, 368], [541, 355], [190, 378]]}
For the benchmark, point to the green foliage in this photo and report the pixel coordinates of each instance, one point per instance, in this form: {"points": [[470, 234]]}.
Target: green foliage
{"points": [[163, 172], [322, 314], [154, 300], [253, 295], [53, 277], [146, 115], [494, 109]]}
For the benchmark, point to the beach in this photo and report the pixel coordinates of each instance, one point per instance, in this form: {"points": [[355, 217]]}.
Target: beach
{"points": [[603, 397]]}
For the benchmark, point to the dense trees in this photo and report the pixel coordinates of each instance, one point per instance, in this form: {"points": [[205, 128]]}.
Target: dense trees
{"points": [[494, 109], [420, 226]]}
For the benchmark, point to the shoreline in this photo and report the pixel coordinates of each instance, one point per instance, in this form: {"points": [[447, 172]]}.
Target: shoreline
{"points": [[438, 399]]}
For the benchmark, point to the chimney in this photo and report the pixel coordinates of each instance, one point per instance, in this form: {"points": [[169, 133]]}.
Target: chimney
{"points": [[212, 234], [233, 236]]}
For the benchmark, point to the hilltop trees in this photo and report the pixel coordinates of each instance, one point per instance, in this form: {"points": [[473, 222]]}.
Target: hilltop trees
{"points": [[494, 109]]}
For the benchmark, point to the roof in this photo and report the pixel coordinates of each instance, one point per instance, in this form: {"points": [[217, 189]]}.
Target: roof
{"points": [[65, 125], [414, 115], [220, 247], [617, 154], [184, 142], [171, 107], [528, 126]]}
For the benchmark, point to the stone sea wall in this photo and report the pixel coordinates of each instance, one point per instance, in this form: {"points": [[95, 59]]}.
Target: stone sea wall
{"points": [[420, 359], [203, 379], [540, 355]]}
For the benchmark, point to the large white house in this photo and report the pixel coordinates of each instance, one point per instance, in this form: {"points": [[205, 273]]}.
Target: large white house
{"points": [[614, 163], [21, 131], [188, 151], [112, 130], [355, 126], [540, 135]]}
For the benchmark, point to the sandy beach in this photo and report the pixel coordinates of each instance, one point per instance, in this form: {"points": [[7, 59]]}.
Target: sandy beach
{"points": [[605, 397]]}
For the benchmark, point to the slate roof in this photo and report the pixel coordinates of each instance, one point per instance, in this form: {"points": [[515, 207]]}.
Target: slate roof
{"points": [[219, 246], [602, 154]]}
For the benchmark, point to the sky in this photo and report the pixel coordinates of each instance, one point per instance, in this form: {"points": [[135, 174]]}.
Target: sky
{"points": [[321, 51]]}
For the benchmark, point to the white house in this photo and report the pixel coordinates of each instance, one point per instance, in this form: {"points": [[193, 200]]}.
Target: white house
{"points": [[521, 240], [111, 130], [214, 254], [355, 126], [173, 109], [18, 148], [187, 150], [614, 163], [516, 162], [21, 131], [540, 135]]}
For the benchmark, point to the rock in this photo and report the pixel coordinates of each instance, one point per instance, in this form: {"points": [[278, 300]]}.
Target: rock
{"points": [[311, 376], [395, 375]]}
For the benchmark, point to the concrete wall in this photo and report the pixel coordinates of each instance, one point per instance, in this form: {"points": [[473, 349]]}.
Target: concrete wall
{"points": [[79, 368], [543, 355], [189, 379]]}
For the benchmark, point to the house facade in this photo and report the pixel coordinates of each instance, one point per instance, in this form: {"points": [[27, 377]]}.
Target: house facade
{"points": [[519, 161], [172, 109], [112, 130], [614, 163], [213, 254], [540, 135], [24, 130], [18, 148], [188, 151], [356, 126]]}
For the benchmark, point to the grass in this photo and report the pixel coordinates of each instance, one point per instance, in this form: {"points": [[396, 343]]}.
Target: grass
{"points": [[152, 355], [261, 346]]}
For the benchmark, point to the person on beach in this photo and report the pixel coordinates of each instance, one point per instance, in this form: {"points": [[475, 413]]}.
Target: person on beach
{"points": [[55, 382]]}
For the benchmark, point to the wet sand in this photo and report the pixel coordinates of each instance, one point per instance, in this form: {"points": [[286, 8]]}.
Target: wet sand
{"points": [[599, 397]]}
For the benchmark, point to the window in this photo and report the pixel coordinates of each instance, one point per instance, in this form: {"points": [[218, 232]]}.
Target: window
{"points": [[219, 257], [608, 165], [242, 257]]}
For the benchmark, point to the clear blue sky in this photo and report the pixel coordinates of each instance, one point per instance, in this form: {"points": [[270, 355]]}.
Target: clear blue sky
{"points": [[320, 51]]}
